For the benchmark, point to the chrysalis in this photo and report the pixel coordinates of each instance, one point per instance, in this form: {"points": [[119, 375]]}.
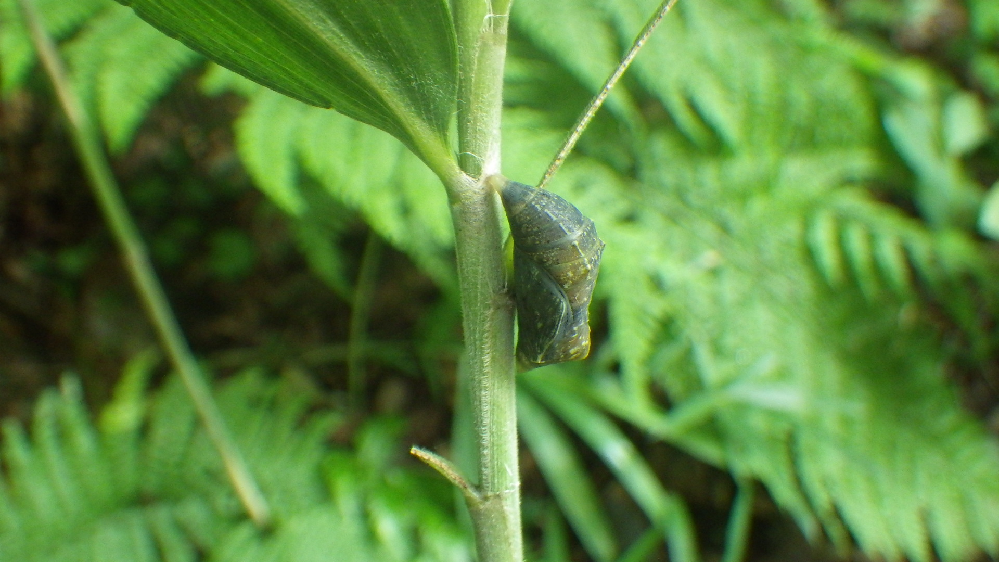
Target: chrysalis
{"points": [[556, 251], [556, 255]]}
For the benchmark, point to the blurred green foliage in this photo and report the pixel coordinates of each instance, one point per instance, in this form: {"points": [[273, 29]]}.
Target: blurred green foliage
{"points": [[146, 484], [793, 197]]}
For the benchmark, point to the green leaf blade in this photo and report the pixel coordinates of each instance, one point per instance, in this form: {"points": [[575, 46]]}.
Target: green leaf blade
{"points": [[565, 472], [391, 64]]}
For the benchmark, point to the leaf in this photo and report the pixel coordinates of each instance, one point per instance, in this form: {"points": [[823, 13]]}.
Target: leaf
{"points": [[583, 45], [965, 125], [566, 474], [104, 57], [984, 19], [665, 510], [272, 123], [746, 274], [388, 63], [72, 491], [929, 134], [16, 52], [356, 167], [988, 219]]}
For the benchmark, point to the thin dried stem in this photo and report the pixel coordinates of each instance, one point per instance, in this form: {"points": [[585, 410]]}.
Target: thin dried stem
{"points": [[599, 99], [87, 143]]}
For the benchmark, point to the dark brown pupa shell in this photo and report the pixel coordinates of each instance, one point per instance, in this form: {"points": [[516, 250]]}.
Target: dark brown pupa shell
{"points": [[556, 256]]}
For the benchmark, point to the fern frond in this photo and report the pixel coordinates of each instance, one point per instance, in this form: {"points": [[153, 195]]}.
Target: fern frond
{"points": [[833, 397], [266, 133], [104, 59], [120, 64], [781, 309], [850, 235], [155, 490], [584, 44], [16, 52], [364, 169]]}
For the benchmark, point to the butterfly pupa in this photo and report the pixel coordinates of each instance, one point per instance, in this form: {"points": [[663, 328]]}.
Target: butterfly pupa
{"points": [[556, 257], [556, 250]]}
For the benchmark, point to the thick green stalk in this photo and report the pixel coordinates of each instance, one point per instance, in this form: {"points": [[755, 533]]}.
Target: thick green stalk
{"points": [[486, 304], [88, 146]]}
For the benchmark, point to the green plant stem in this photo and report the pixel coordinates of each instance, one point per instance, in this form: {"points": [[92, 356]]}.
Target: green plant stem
{"points": [[482, 36], [88, 146], [364, 292], [486, 305], [739, 522]]}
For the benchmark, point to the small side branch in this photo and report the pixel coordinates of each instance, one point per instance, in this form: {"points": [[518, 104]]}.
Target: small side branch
{"points": [[448, 471]]}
